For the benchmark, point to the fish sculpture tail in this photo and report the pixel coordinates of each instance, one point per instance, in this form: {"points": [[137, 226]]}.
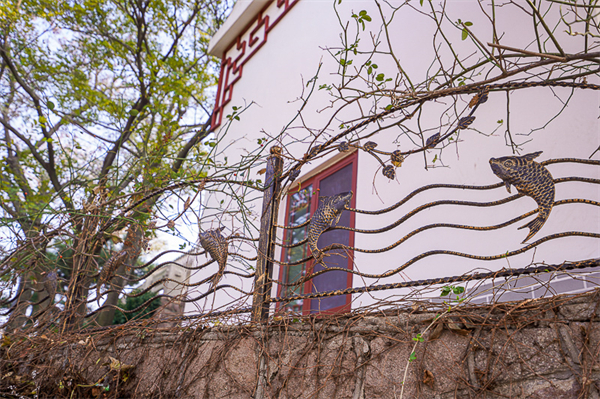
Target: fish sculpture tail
{"points": [[215, 244], [318, 255], [215, 280], [535, 225]]}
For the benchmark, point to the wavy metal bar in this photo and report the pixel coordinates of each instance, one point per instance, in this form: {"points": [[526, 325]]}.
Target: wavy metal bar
{"points": [[442, 202], [303, 224], [478, 204], [412, 233], [151, 261], [185, 300], [420, 190], [243, 257], [218, 288], [145, 322], [156, 283], [468, 187], [301, 242], [445, 280], [417, 210], [575, 160], [444, 252], [159, 267]]}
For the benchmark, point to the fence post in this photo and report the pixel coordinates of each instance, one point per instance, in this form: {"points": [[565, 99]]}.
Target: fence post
{"points": [[266, 246]]}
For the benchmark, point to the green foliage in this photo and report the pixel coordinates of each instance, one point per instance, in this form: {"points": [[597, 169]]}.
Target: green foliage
{"points": [[101, 100], [362, 17], [131, 303], [464, 32], [418, 338], [457, 290]]}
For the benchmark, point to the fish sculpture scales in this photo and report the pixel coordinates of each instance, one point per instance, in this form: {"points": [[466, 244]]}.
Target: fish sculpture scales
{"points": [[216, 245], [327, 215], [531, 179]]}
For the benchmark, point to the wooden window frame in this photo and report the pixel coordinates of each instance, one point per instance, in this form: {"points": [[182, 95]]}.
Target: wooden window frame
{"points": [[315, 181]]}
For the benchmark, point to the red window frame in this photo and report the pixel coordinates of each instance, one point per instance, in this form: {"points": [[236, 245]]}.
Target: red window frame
{"points": [[315, 181]]}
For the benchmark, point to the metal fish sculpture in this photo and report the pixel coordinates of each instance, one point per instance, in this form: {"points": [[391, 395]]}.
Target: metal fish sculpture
{"points": [[216, 245], [327, 215], [531, 179]]}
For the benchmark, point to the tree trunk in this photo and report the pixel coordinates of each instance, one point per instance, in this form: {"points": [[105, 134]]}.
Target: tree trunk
{"points": [[133, 244]]}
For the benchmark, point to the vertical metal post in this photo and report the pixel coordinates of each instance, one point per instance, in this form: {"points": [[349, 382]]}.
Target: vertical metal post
{"points": [[266, 246]]}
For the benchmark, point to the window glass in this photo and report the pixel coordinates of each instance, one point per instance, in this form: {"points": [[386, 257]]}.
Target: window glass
{"points": [[299, 212], [336, 183]]}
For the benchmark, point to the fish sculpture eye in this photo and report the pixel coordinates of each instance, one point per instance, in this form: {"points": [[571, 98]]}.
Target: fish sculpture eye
{"points": [[509, 163]]}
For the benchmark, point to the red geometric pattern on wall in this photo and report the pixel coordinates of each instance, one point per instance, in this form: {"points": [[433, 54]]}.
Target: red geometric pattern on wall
{"points": [[252, 38]]}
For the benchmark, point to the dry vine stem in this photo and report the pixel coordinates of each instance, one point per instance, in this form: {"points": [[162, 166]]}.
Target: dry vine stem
{"points": [[88, 218]]}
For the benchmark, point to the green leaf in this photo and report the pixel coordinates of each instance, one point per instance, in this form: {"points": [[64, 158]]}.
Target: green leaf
{"points": [[50, 105], [421, 2], [134, 112], [413, 356], [379, 77], [418, 338], [458, 290], [468, 23], [465, 34], [445, 291]]}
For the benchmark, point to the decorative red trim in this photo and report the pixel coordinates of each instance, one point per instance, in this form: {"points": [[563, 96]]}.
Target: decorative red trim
{"points": [[231, 71]]}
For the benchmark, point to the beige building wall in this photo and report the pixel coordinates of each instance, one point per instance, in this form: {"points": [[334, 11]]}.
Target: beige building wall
{"points": [[270, 92]]}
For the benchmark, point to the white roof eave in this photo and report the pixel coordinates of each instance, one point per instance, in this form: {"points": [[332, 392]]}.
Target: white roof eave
{"points": [[242, 14]]}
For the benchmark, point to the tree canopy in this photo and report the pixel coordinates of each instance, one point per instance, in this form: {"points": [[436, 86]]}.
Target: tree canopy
{"points": [[102, 102]]}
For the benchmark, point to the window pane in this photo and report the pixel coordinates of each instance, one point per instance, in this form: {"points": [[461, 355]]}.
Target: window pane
{"points": [[336, 183], [299, 209]]}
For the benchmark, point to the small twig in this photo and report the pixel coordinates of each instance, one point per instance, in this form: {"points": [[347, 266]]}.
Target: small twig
{"points": [[414, 348], [517, 50], [484, 49], [536, 11]]}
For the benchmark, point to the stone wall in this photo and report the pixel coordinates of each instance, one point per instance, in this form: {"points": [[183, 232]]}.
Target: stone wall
{"points": [[542, 348]]}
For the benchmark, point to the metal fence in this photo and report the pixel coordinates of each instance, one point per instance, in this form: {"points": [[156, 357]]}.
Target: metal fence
{"points": [[534, 183]]}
